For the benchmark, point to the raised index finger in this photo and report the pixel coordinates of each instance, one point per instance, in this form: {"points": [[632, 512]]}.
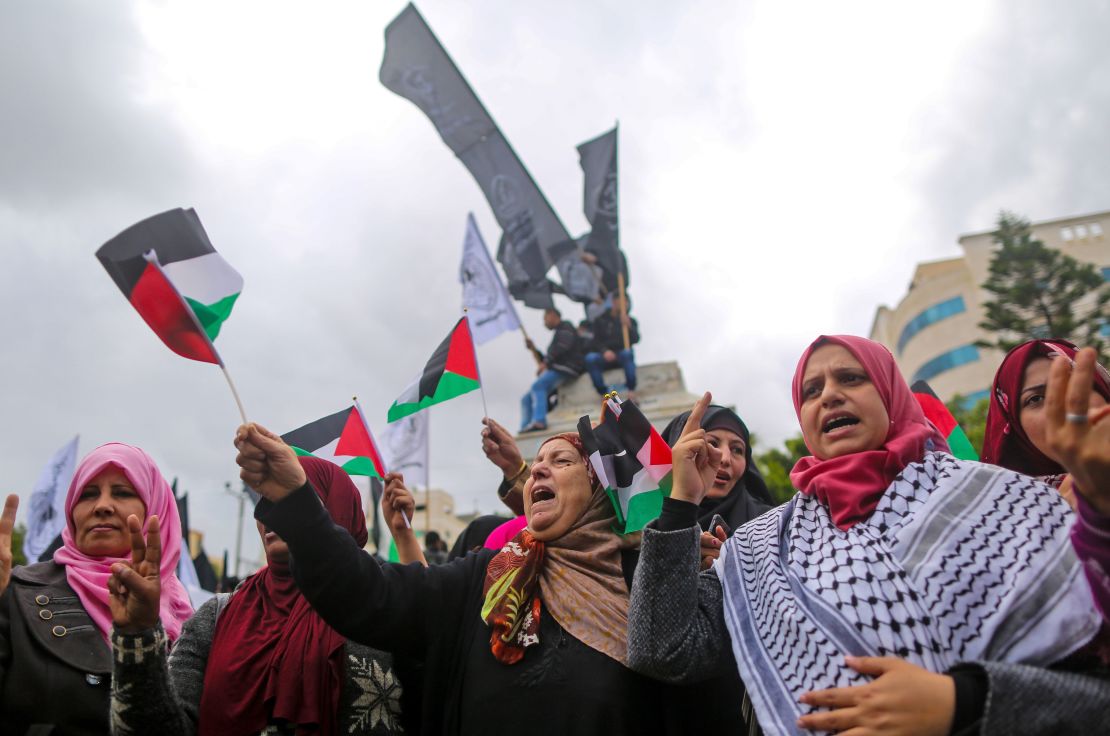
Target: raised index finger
{"points": [[154, 542], [1055, 391], [138, 545], [694, 422]]}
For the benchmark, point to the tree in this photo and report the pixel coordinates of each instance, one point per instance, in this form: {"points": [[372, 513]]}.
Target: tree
{"points": [[972, 419], [1040, 292], [18, 535], [775, 466]]}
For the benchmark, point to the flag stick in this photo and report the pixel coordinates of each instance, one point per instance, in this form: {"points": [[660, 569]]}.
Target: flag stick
{"points": [[362, 416], [235, 393], [620, 262], [477, 366]]}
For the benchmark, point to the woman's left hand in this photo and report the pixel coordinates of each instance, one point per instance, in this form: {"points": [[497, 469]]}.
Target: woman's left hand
{"points": [[135, 588], [903, 699], [397, 504], [1079, 437], [711, 547]]}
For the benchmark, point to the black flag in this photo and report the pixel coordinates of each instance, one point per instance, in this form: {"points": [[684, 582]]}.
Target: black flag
{"points": [[417, 67], [599, 169]]}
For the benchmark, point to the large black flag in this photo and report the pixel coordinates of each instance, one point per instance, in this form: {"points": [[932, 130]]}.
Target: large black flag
{"points": [[599, 169], [417, 67]]}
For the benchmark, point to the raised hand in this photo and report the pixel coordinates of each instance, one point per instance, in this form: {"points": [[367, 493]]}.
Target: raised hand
{"points": [[7, 524], [266, 463], [1078, 436], [500, 448], [135, 588], [902, 699], [711, 547], [397, 504], [694, 462]]}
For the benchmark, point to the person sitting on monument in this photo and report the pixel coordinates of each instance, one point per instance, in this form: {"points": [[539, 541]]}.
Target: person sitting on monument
{"points": [[608, 348], [562, 362]]}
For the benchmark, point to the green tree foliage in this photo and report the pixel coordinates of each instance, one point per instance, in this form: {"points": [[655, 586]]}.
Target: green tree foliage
{"points": [[1040, 292], [973, 419], [18, 534], [775, 466]]}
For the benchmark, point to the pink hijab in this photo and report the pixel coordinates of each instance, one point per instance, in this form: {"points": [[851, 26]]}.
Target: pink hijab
{"points": [[88, 575], [851, 485]]}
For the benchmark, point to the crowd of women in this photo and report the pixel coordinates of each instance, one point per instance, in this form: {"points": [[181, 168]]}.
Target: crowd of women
{"points": [[900, 591]]}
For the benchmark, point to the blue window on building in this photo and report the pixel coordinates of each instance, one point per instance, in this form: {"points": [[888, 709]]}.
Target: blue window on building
{"points": [[1106, 273], [935, 313], [947, 361]]}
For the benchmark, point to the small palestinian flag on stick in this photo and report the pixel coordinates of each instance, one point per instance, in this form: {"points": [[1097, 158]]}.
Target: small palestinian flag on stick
{"points": [[343, 438], [937, 413], [177, 282], [451, 371], [631, 460]]}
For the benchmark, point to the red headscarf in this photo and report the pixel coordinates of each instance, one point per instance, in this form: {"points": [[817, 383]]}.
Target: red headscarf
{"points": [[272, 656], [851, 485], [1005, 442]]}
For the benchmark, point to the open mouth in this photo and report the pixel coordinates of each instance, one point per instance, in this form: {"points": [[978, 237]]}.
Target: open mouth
{"points": [[723, 479], [542, 493], [837, 421]]}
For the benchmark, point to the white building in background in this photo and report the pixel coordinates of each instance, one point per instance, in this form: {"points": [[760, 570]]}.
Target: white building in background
{"points": [[932, 331]]}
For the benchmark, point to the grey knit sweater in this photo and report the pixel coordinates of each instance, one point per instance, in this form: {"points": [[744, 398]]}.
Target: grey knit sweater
{"points": [[677, 633], [153, 693]]}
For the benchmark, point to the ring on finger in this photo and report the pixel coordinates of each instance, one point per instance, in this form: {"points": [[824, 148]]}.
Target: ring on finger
{"points": [[1076, 418]]}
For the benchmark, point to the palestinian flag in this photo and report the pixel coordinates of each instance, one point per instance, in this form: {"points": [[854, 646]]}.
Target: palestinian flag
{"points": [[937, 413], [631, 460], [344, 439], [178, 283], [451, 371]]}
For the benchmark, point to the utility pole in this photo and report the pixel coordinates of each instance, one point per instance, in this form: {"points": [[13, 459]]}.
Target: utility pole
{"points": [[242, 496]]}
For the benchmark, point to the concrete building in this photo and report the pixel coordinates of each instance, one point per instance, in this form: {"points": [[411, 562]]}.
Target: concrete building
{"points": [[932, 331]]}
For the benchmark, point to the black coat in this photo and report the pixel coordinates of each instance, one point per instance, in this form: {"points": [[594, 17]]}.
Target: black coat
{"points": [[433, 614], [564, 354], [55, 667], [608, 334]]}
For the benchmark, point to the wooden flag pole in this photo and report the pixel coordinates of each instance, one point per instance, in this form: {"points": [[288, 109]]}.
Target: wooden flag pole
{"points": [[238, 401], [623, 308]]}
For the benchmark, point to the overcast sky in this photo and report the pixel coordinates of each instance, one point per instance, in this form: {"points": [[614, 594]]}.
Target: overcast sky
{"points": [[784, 165]]}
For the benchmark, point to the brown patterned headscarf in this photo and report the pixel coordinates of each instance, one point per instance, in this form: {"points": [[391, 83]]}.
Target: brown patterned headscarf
{"points": [[577, 576]]}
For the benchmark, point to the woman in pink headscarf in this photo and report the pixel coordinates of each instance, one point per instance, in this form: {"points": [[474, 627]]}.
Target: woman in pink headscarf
{"points": [[894, 567], [55, 619]]}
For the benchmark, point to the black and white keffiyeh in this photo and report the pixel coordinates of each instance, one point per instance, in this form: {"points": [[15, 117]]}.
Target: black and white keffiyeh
{"points": [[960, 561]]}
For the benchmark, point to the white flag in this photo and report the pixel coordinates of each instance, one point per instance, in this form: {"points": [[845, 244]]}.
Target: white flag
{"points": [[48, 502], [490, 307], [405, 448]]}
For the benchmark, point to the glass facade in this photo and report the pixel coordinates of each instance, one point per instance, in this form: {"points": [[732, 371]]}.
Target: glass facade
{"points": [[946, 361], [935, 313], [974, 398]]}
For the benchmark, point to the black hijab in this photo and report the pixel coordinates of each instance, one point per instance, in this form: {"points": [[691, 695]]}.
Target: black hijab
{"points": [[749, 496]]}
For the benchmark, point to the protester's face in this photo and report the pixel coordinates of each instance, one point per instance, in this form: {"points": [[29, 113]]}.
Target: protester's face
{"points": [[1031, 413], [842, 411], [277, 551], [557, 492], [551, 319], [733, 460], [100, 514]]}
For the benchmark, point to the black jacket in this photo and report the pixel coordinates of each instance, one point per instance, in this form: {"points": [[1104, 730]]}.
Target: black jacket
{"points": [[55, 667], [565, 354], [560, 686], [609, 336]]}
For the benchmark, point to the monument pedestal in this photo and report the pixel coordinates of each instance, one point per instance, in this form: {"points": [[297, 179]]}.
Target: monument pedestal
{"points": [[661, 395]]}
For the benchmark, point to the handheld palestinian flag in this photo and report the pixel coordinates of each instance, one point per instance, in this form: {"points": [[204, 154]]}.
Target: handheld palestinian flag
{"points": [[451, 371], [937, 413], [177, 282], [631, 460], [343, 438]]}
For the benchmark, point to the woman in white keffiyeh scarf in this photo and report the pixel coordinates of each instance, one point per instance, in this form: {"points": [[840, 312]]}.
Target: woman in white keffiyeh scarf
{"points": [[892, 548]]}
